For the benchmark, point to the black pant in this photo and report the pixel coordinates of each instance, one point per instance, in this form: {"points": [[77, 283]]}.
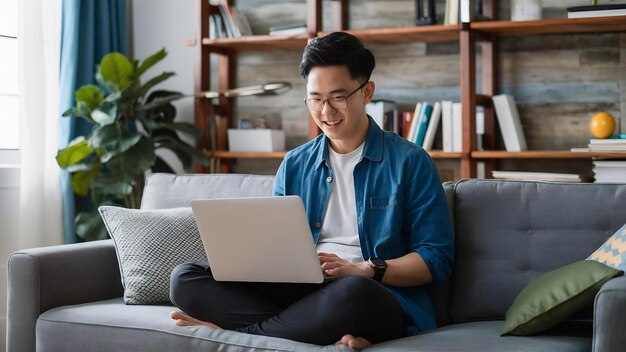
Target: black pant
{"points": [[313, 313]]}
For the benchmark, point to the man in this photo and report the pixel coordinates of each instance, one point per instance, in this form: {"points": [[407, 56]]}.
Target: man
{"points": [[378, 216]]}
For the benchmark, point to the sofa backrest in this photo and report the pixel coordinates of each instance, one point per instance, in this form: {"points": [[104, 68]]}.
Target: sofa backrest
{"points": [[163, 191], [508, 233]]}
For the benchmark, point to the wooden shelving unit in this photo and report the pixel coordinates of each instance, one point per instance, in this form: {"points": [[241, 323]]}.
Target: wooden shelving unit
{"points": [[217, 116]]}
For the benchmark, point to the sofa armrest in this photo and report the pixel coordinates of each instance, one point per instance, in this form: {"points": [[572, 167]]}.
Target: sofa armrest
{"points": [[43, 278], [609, 321]]}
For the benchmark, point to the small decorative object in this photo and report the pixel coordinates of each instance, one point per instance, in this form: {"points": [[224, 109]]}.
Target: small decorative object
{"points": [[525, 10], [424, 17], [602, 125]]}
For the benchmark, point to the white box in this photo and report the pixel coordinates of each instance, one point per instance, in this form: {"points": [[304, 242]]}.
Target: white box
{"points": [[256, 140]]}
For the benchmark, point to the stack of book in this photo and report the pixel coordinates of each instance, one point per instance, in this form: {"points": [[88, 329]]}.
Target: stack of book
{"points": [[596, 11], [609, 145], [539, 176], [421, 126], [228, 22], [610, 170]]}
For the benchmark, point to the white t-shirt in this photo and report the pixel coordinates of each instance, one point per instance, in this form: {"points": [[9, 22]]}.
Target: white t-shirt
{"points": [[339, 233]]}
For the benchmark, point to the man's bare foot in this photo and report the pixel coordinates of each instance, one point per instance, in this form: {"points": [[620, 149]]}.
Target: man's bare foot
{"points": [[353, 342], [183, 319]]}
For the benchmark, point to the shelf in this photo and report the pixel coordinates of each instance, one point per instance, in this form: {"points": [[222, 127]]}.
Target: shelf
{"points": [[440, 154], [563, 25], [543, 154], [434, 33], [224, 154], [256, 43]]}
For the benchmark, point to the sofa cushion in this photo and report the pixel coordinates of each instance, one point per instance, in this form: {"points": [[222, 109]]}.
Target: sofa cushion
{"points": [[149, 244], [508, 233], [613, 251], [555, 296], [173, 191], [113, 326], [485, 336]]}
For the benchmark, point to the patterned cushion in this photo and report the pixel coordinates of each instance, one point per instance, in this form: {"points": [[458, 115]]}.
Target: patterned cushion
{"points": [[613, 251], [149, 244]]}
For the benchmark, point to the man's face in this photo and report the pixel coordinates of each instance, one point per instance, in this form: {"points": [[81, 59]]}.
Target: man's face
{"points": [[345, 127]]}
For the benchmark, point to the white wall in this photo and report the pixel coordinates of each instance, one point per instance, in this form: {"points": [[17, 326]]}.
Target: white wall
{"points": [[9, 217], [156, 24]]}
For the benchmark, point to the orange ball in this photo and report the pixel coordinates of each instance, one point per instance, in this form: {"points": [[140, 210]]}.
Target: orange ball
{"points": [[602, 125]]}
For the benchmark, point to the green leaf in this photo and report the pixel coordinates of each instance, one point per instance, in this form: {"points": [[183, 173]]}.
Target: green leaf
{"points": [[117, 71], [134, 161], [154, 81], [82, 166], [81, 180], [151, 61], [180, 147], [90, 227], [80, 110], [105, 114], [114, 138], [78, 150], [182, 127], [160, 101], [90, 95], [112, 187]]}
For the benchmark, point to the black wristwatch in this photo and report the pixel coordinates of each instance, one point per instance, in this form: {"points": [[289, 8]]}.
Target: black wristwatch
{"points": [[379, 266]]}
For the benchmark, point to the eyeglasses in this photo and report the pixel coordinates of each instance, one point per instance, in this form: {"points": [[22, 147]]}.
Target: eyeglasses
{"points": [[337, 103]]}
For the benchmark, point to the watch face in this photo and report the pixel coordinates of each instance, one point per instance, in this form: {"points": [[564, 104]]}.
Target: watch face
{"points": [[379, 263]]}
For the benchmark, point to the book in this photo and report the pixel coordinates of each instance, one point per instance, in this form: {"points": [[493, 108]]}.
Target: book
{"points": [[241, 22], [446, 125], [480, 127], [457, 128], [596, 11], [510, 123], [229, 24], [607, 145], [382, 112], [538, 176], [416, 116], [453, 12], [435, 117], [423, 124], [292, 29], [609, 171], [407, 120]]}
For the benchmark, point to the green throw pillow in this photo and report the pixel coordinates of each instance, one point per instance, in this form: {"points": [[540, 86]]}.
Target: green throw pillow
{"points": [[555, 295]]}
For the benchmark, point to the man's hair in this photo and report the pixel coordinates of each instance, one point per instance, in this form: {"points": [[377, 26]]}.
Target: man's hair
{"points": [[338, 48]]}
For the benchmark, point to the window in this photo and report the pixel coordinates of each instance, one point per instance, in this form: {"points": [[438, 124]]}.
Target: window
{"points": [[9, 102]]}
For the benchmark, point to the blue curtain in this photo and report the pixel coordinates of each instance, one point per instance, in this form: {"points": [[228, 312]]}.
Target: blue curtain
{"points": [[90, 30]]}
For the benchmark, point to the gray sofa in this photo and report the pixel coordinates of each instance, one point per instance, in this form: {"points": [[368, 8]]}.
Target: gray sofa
{"points": [[68, 298]]}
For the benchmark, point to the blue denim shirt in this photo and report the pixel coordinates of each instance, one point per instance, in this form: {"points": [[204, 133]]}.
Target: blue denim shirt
{"points": [[400, 206]]}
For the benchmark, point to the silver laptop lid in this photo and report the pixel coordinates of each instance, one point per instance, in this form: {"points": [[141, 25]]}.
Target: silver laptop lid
{"points": [[261, 239]]}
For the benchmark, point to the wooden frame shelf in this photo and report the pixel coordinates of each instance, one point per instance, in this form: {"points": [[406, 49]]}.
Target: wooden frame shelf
{"points": [[552, 26], [543, 154], [216, 117], [434, 33], [256, 43]]}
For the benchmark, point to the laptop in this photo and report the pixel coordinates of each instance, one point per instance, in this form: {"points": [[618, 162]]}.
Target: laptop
{"points": [[259, 239]]}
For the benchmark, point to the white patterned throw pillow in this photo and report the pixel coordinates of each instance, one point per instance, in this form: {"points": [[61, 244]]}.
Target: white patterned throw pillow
{"points": [[149, 244]]}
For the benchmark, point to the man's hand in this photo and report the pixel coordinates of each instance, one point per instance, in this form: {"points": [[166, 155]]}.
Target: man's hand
{"points": [[333, 265]]}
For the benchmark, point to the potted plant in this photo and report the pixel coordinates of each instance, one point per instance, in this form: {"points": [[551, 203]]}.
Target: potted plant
{"points": [[130, 122]]}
